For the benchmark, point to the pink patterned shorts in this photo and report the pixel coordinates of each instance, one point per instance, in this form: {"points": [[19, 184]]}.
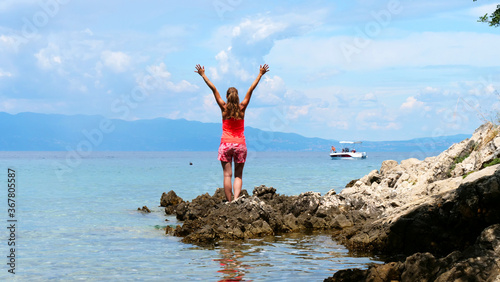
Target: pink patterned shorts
{"points": [[228, 151]]}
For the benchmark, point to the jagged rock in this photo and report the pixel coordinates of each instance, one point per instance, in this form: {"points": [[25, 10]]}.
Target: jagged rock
{"points": [[307, 202], [387, 166], [170, 201], [208, 219], [144, 209], [351, 183], [290, 222], [479, 262], [448, 218], [202, 205], [372, 177], [244, 218], [264, 192], [328, 205], [348, 275], [169, 230]]}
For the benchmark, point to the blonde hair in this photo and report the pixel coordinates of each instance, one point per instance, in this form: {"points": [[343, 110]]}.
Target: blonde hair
{"points": [[233, 104]]}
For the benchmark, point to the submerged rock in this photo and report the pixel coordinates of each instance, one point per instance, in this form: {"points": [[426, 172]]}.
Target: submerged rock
{"points": [[144, 209]]}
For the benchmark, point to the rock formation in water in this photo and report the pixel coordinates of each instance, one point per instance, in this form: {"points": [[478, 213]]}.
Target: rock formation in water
{"points": [[438, 218]]}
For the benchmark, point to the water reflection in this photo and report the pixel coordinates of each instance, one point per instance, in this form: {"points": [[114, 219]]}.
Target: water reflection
{"points": [[232, 268], [290, 257]]}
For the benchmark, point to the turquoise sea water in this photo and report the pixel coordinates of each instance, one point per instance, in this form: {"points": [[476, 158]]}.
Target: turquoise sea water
{"points": [[77, 219]]}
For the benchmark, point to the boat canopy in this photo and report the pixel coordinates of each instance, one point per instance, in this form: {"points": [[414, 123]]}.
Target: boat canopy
{"points": [[350, 142]]}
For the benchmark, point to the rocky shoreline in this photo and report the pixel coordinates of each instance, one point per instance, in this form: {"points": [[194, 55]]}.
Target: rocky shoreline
{"points": [[436, 219]]}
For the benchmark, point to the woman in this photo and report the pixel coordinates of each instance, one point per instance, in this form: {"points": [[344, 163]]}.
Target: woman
{"points": [[232, 144]]}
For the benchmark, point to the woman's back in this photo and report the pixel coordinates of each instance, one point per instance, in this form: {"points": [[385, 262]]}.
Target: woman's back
{"points": [[233, 131]]}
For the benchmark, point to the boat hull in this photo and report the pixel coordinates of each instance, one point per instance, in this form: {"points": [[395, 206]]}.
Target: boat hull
{"points": [[348, 155]]}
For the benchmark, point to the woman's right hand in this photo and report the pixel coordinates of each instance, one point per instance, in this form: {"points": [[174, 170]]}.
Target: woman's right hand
{"points": [[264, 69]]}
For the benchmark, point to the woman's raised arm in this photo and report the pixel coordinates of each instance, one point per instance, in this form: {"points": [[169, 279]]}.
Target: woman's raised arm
{"points": [[246, 100], [201, 71]]}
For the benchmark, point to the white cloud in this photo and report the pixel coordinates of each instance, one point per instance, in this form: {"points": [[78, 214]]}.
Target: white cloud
{"points": [[390, 126], [490, 89], [158, 79], [253, 38], [223, 59], [258, 29], [411, 103], [370, 97], [116, 61], [48, 57], [377, 119], [8, 42], [295, 112], [482, 10], [344, 125], [274, 83], [87, 31], [5, 73], [159, 71], [430, 89], [210, 106], [270, 92], [214, 73], [182, 86]]}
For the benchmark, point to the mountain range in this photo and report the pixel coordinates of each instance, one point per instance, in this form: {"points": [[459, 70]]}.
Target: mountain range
{"points": [[54, 132]]}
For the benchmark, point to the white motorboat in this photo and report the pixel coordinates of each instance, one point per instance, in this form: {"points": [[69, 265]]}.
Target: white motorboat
{"points": [[348, 151]]}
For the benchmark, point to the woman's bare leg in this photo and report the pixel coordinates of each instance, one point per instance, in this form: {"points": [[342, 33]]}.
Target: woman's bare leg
{"points": [[238, 179], [228, 175]]}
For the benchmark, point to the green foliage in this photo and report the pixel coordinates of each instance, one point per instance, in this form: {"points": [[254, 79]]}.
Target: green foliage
{"points": [[467, 174], [461, 159], [493, 162], [456, 161], [493, 19]]}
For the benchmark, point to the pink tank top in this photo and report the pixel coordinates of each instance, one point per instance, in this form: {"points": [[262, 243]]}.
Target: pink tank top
{"points": [[233, 131]]}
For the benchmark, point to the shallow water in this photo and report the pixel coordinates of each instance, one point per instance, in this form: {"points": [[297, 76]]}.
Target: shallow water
{"points": [[78, 218]]}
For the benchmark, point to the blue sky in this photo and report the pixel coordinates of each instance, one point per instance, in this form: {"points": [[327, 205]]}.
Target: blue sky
{"points": [[367, 70]]}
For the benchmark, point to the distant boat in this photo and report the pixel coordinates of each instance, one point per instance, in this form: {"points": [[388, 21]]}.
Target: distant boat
{"points": [[348, 151]]}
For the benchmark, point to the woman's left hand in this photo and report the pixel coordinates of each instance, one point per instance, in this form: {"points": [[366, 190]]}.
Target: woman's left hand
{"points": [[200, 70]]}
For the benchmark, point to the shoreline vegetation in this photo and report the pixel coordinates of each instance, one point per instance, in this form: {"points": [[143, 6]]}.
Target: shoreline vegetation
{"points": [[436, 219]]}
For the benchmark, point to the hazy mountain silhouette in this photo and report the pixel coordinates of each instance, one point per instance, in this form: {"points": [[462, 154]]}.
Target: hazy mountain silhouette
{"points": [[53, 132]]}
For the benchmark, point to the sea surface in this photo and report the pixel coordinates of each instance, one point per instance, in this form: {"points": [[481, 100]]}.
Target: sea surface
{"points": [[77, 219]]}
